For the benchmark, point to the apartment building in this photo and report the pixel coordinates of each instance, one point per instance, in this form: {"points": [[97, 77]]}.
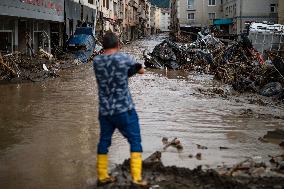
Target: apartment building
{"points": [[144, 16], [238, 13], [230, 15], [129, 18], [198, 12], [155, 19], [148, 18], [165, 20]]}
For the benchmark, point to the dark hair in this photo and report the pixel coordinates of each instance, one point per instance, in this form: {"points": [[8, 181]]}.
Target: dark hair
{"points": [[110, 40]]}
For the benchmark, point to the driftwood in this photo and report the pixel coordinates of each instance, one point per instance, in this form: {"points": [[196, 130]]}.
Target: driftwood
{"points": [[170, 143]]}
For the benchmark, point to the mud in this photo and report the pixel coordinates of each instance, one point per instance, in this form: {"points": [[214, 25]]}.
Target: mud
{"points": [[159, 176], [49, 130], [276, 136]]}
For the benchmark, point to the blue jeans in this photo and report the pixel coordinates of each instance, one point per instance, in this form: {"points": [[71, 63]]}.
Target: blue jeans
{"points": [[128, 125]]}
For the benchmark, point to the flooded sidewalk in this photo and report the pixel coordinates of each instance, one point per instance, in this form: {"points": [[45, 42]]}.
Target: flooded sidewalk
{"points": [[49, 130]]}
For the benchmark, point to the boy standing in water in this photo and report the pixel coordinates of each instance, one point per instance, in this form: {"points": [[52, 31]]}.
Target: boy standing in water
{"points": [[116, 108]]}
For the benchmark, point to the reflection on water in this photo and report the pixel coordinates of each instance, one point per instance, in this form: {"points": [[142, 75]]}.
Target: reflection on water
{"points": [[49, 130]]}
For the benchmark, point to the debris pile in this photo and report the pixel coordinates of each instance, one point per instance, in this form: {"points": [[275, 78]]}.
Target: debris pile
{"points": [[238, 64], [21, 67]]}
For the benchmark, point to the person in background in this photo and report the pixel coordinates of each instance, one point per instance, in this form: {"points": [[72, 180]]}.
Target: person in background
{"points": [[116, 107]]}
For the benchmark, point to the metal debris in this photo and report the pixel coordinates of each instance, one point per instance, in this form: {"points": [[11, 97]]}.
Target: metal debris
{"points": [[237, 64]]}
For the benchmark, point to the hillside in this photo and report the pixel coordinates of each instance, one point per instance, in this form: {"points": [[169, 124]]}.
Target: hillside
{"points": [[161, 3]]}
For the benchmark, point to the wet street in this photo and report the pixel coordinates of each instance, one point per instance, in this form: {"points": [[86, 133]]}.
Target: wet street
{"points": [[49, 130]]}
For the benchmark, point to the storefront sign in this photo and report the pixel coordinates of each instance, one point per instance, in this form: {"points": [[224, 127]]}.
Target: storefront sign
{"points": [[52, 10], [46, 3]]}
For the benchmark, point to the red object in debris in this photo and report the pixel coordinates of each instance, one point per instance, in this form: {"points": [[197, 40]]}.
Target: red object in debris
{"points": [[257, 55], [260, 58]]}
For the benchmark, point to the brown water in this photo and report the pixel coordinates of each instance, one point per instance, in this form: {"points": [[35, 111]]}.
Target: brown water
{"points": [[49, 130]]}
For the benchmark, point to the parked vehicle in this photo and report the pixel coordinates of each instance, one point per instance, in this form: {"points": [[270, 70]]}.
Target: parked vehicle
{"points": [[83, 44]]}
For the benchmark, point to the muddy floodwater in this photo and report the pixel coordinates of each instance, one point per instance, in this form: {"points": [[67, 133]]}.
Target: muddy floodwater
{"points": [[49, 130]]}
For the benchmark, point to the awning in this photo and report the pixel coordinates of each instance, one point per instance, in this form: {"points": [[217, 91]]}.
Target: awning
{"points": [[224, 21]]}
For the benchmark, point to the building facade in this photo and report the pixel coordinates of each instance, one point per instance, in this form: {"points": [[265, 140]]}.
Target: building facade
{"points": [[28, 25], [128, 18], [165, 20], [198, 12], [242, 12], [78, 12], [232, 16], [148, 17], [155, 19]]}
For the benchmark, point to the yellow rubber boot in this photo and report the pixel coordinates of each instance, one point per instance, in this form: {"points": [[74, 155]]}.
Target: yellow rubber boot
{"points": [[102, 169], [136, 169]]}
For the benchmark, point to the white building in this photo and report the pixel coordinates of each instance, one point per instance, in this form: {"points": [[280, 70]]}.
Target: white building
{"points": [[155, 19], [165, 19], [245, 11]]}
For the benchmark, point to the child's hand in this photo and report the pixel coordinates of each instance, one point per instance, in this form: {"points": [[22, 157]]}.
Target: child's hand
{"points": [[136, 68]]}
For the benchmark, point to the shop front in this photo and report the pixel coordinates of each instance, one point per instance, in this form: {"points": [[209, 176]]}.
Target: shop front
{"points": [[27, 25]]}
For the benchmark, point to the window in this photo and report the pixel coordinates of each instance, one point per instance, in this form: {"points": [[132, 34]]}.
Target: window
{"points": [[211, 2], [91, 1], [190, 16], [211, 16], [190, 4], [273, 8]]}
